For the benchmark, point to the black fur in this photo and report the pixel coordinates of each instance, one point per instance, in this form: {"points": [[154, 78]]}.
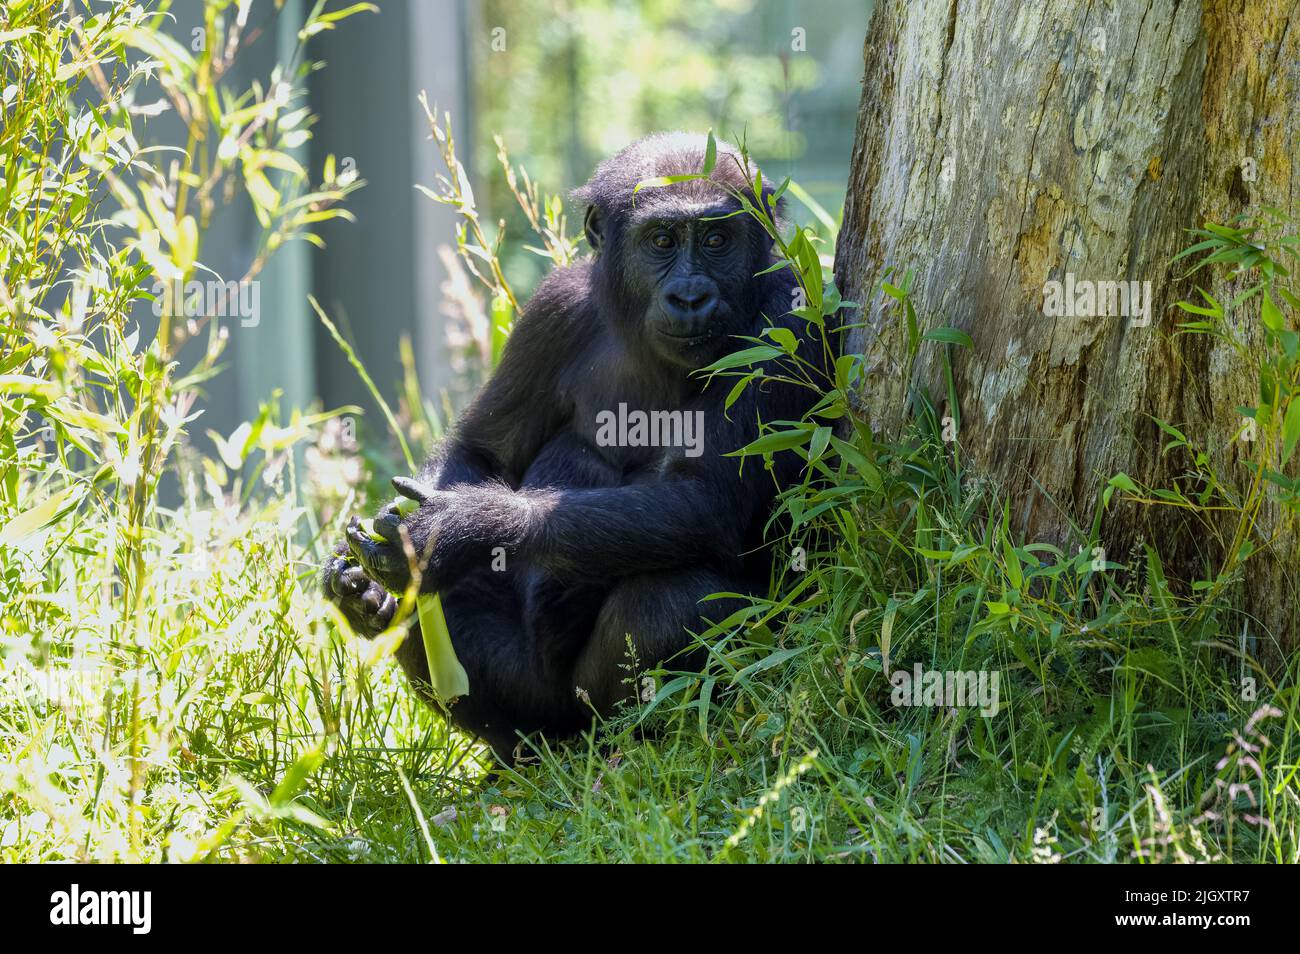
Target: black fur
{"points": [[601, 543]]}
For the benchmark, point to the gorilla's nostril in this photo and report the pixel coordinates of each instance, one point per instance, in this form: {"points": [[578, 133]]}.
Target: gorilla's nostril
{"points": [[691, 302]]}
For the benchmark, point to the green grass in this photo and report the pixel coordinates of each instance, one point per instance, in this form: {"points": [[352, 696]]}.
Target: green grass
{"points": [[265, 736]]}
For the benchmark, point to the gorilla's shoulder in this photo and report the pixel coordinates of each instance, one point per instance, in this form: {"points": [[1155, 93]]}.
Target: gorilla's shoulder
{"points": [[563, 299]]}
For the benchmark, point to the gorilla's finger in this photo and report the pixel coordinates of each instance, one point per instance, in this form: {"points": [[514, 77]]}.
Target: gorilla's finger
{"points": [[353, 580], [386, 611], [414, 490], [365, 549], [382, 561], [373, 598], [335, 585], [387, 525]]}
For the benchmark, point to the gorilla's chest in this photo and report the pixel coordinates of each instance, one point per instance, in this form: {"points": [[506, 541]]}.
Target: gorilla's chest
{"points": [[638, 430]]}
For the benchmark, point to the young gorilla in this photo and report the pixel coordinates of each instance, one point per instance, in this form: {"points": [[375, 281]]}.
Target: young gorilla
{"points": [[602, 544]]}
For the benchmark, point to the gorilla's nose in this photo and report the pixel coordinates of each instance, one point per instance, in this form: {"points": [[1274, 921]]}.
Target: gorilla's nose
{"points": [[690, 302]]}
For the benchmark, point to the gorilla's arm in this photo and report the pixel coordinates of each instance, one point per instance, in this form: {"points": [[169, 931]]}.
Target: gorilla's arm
{"points": [[489, 448], [520, 407], [694, 512], [602, 533], [686, 519]]}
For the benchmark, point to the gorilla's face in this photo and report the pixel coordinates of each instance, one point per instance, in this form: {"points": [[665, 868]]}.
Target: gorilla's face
{"points": [[685, 270], [677, 263]]}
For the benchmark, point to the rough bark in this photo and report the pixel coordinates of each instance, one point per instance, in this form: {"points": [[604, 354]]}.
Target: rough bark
{"points": [[1080, 137]]}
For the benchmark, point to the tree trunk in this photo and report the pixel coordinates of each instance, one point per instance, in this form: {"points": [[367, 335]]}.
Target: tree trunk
{"points": [[1002, 145]]}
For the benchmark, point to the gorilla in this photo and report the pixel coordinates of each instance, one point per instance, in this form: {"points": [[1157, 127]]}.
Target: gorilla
{"points": [[583, 505]]}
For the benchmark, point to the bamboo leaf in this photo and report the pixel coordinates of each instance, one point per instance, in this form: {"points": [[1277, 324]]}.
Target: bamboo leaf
{"points": [[1291, 429], [37, 518]]}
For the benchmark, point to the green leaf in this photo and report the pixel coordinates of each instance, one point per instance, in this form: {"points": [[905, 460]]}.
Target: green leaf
{"points": [[1291, 428], [1215, 310], [913, 329], [1012, 560], [1120, 481], [844, 366], [1271, 314], [784, 337], [775, 441], [859, 461], [745, 357], [503, 317], [710, 154], [30, 521], [658, 182], [265, 197], [295, 778], [736, 391], [447, 676], [75, 416], [1170, 429], [934, 554], [346, 12], [950, 336], [27, 385], [1124, 482], [817, 446]]}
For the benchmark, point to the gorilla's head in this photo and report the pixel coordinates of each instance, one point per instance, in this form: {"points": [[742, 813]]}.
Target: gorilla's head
{"points": [[676, 265]]}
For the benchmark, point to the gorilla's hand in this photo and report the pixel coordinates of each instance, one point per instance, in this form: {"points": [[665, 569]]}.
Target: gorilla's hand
{"points": [[447, 534], [368, 607]]}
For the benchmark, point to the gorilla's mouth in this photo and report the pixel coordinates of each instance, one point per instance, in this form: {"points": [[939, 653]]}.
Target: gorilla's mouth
{"points": [[689, 340]]}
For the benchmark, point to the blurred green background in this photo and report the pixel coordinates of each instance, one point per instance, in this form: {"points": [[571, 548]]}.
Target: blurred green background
{"points": [[564, 83], [583, 79]]}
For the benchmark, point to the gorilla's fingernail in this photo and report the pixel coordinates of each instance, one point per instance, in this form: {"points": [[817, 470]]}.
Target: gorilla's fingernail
{"points": [[412, 489], [358, 541], [354, 578]]}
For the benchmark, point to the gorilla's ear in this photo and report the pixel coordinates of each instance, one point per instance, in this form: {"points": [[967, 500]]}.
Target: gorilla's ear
{"points": [[594, 226]]}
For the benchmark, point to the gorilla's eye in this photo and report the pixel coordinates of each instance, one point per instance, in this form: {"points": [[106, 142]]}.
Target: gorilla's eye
{"points": [[662, 240], [715, 240]]}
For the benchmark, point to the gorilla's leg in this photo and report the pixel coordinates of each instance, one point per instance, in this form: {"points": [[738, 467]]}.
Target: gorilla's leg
{"points": [[501, 659], [517, 631], [524, 672], [528, 641], [657, 612]]}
